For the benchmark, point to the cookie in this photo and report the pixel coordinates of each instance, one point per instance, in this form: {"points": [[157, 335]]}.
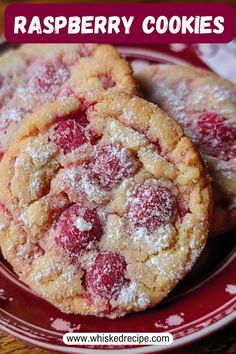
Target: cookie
{"points": [[37, 74], [11, 72], [104, 204], [205, 106]]}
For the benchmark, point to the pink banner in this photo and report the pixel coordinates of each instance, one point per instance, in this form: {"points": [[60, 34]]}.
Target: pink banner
{"points": [[119, 23]]}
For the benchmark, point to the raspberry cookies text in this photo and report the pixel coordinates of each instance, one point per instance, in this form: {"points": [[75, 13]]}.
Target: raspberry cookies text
{"points": [[153, 23], [116, 24]]}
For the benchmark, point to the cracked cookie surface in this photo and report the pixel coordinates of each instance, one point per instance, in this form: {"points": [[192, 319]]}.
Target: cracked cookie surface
{"points": [[34, 75], [108, 220], [205, 106]]}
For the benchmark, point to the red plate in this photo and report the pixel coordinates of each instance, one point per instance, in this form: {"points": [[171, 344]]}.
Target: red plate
{"points": [[204, 302]]}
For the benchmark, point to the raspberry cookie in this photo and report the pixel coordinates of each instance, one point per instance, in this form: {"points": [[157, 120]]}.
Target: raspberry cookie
{"points": [[34, 75], [104, 204], [205, 105]]}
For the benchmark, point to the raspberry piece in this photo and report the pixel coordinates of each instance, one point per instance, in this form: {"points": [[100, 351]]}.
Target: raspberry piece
{"points": [[68, 135], [79, 229], [4, 126], [150, 206], [84, 51], [107, 275], [112, 165], [107, 81], [48, 75], [65, 92], [215, 133]]}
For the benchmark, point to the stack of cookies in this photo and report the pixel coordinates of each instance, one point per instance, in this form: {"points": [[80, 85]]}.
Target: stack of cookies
{"points": [[105, 202]]}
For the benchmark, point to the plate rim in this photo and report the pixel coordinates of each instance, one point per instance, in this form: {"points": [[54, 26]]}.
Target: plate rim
{"points": [[178, 343]]}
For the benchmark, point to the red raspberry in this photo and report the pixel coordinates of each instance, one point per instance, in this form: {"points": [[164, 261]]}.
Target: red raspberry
{"points": [[215, 132], [69, 135], [79, 229], [107, 81], [47, 76], [112, 165], [150, 206], [107, 275]]}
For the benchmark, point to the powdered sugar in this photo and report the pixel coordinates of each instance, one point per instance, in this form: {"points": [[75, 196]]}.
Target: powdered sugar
{"points": [[11, 115], [41, 152], [128, 293], [69, 274], [218, 91], [36, 182], [172, 99], [138, 65], [50, 267], [128, 137], [143, 301], [24, 250], [167, 265], [68, 178], [113, 163], [225, 168], [150, 151], [92, 189], [83, 225], [131, 293], [156, 241]]}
